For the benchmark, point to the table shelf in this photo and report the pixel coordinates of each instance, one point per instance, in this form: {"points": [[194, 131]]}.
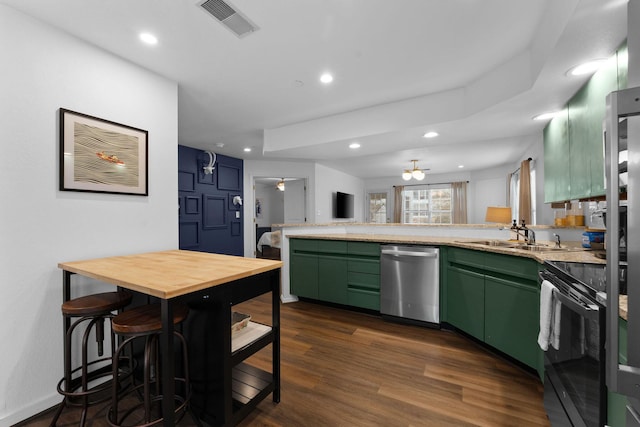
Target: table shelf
{"points": [[250, 385]]}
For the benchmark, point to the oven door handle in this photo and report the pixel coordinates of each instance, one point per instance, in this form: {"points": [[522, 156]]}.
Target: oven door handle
{"points": [[590, 311]]}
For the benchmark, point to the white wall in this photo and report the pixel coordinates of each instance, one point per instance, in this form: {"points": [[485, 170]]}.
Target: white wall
{"points": [[328, 182], [43, 70]]}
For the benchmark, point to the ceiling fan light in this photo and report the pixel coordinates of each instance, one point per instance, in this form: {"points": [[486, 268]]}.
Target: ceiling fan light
{"points": [[280, 185], [406, 175], [418, 174]]}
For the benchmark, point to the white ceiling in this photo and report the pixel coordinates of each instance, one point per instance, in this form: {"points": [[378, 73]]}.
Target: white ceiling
{"points": [[475, 71]]}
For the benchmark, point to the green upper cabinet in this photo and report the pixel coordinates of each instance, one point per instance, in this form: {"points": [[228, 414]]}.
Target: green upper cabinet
{"points": [[556, 151], [573, 142], [586, 113]]}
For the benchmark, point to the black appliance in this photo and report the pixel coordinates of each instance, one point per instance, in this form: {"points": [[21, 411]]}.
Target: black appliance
{"points": [[575, 392]]}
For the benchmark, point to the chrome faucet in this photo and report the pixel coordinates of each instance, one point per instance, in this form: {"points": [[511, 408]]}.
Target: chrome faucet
{"points": [[528, 234]]}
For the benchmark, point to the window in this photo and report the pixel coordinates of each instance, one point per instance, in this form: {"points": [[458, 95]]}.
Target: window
{"points": [[378, 208], [427, 205]]}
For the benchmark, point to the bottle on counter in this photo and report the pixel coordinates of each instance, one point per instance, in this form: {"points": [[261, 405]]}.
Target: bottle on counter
{"points": [[575, 215], [559, 217]]}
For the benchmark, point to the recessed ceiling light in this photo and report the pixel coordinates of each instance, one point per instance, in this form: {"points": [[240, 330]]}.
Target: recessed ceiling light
{"points": [[148, 38], [430, 134], [247, 150], [326, 78], [354, 145], [460, 166], [546, 116], [586, 68]]}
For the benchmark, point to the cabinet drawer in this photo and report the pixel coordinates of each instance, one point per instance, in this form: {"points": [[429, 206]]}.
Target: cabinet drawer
{"points": [[364, 299], [364, 248], [363, 280], [332, 246], [303, 245], [364, 266], [512, 266], [466, 257]]}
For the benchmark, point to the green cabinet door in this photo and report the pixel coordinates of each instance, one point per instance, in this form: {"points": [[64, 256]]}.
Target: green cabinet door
{"points": [[586, 114], [303, 275], [511, 319], [557, 181], [465, 301], [332, 279]]}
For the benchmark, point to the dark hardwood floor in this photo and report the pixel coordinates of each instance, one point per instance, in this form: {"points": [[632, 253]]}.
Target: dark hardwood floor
{"points": [[343, 368]]}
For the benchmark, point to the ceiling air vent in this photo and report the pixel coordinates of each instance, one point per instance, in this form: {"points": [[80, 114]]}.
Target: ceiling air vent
{"points": [[229, 17]]}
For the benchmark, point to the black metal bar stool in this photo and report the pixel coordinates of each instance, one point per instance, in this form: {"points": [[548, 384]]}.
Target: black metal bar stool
{"points": [[78, 384], [145, 321]]}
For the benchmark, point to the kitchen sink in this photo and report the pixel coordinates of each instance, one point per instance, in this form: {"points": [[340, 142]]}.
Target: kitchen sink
{"points": [[519, 245], [542, 248], [497, 243]]}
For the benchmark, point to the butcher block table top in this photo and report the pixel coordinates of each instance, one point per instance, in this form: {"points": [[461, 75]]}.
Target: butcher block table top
{"points": [[172, 273]]}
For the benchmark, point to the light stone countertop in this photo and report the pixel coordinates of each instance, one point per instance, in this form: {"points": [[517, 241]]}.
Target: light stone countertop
{"points": [[576, 254]]}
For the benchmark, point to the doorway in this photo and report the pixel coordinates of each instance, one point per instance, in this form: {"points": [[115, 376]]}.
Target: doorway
{"points": [[276, 206]]}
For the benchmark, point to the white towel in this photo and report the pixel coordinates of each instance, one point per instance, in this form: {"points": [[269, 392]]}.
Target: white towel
{"points": [[549, 317]]}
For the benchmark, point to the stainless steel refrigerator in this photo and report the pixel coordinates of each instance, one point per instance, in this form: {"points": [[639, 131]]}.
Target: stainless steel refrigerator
{"points": [[622, 165]]}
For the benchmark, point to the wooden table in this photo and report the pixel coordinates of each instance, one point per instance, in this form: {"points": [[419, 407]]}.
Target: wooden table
{"points": [[185, 275]]}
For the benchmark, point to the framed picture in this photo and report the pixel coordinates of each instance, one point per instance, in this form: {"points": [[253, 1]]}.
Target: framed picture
{"points": [[102, 156]]}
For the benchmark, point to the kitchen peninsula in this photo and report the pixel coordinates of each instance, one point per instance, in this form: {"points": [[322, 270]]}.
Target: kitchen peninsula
{"points": [[200, 279], [458, 235]]}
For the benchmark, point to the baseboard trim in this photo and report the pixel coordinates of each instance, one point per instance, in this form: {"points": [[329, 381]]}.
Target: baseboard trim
{"points": [[34, 409]]}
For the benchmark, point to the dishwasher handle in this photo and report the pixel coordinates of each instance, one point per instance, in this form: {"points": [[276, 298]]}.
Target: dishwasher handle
{"points": [[398, 253]]}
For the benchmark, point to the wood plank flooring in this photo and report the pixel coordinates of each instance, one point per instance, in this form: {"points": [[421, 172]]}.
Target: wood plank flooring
{"points": [[342, 368]]}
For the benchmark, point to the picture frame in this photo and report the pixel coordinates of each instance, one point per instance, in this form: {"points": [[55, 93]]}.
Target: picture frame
{"points": [[101, 156]]}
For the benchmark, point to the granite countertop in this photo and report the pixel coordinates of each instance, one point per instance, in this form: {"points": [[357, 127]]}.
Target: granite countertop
{"points": [[576, 253]]}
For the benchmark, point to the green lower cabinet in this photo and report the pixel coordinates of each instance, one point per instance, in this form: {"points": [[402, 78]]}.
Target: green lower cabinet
{"points": [[303, 275], [363, 298], [332, 279], [465, 301], [496, 299], [336, 271], [511, 319], [617, 403], [363, 289]]}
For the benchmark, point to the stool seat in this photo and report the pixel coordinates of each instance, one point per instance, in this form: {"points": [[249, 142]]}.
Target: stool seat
{"points": [[145, 319], [97, 304]]}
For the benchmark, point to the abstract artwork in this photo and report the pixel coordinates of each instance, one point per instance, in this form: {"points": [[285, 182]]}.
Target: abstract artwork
{"points": [[102, 156]]}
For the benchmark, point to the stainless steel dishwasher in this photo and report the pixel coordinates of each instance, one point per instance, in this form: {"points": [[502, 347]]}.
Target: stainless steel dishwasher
{"points": [[410, 282]]}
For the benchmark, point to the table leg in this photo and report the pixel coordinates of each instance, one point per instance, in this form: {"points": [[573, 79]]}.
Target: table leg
{"points": [[275, 324], [66, 324], [168, 362]]}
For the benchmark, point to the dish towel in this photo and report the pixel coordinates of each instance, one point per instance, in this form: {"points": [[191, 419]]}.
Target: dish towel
{"points": [[549, 317]]}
